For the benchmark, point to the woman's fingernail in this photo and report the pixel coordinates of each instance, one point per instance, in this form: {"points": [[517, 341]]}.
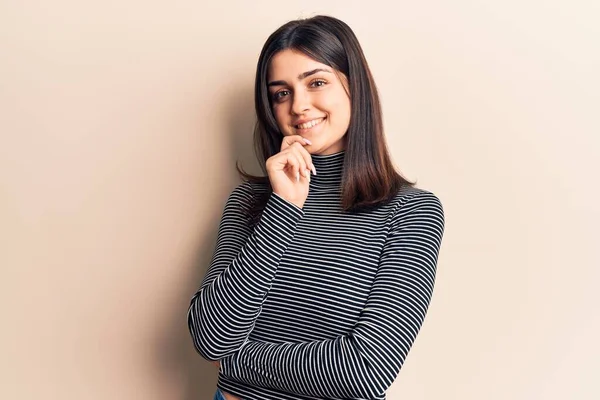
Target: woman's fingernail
{"points": [[306, 174], [297, 176], [314, 170], [307, 141]]}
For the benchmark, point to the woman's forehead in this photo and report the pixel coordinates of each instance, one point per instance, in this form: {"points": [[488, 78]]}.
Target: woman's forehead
{"points": [[289, 64]]}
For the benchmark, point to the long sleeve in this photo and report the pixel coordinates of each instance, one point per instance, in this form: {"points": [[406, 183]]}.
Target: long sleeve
{"points": [[363, 363], [222, 312]]}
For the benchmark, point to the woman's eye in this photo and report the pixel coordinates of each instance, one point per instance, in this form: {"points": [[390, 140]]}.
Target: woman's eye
{"points": [[318, 83], [280, 95]]}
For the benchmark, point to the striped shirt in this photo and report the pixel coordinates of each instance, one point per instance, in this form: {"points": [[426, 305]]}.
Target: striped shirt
{"points": [[315, 302]]}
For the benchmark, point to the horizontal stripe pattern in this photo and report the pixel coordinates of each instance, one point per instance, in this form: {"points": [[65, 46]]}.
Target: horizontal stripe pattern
{"points": [[317, 303]]}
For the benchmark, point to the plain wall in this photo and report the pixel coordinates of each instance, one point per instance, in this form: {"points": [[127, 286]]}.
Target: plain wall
{"points": [[121, 122]]}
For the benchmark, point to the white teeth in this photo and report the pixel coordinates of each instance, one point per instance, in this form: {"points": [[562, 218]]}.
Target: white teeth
{"points": [[309, 124]]}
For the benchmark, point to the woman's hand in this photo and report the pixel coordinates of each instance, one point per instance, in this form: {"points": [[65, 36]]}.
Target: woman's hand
{"points": [[289, 170], [230, 396]]}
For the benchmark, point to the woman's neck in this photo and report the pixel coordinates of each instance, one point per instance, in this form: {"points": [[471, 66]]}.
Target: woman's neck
{"points": [[330, 169]]}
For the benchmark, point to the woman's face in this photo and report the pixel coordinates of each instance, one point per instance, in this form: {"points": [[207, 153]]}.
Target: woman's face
{"points": [[309, 99]]}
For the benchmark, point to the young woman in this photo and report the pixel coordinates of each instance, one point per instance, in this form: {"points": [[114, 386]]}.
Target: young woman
{"points": [[323, 269]]}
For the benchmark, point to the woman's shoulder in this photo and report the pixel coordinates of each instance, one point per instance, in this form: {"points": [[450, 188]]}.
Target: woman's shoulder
{"points": [[409, 197], [408, 191], [250, 189]]}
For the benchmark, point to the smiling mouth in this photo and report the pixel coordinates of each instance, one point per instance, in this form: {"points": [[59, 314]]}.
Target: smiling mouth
{"points": [[309, 124]]}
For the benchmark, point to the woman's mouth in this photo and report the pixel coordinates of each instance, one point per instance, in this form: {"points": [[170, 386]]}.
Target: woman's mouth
{"points": [[309, 125]]}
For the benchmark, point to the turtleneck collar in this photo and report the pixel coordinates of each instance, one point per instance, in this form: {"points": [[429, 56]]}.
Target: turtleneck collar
{"points": [[330, 169]]}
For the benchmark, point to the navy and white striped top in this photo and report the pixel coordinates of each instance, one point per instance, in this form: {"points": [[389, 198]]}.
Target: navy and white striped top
{"points": [[314, 302]]}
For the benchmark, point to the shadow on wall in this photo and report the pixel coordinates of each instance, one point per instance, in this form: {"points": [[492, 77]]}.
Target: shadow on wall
{"points": [[176, 353]]}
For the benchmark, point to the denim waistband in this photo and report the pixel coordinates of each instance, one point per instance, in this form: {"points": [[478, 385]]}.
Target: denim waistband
{"points": [[218, 395]]}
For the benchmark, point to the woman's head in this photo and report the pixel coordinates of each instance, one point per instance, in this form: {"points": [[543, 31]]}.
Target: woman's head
{"points": [[314, 71], [310, 99], [347, 98]]}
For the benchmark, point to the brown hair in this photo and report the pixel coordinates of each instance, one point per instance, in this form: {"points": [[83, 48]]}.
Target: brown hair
{"points": [[369, 177]]}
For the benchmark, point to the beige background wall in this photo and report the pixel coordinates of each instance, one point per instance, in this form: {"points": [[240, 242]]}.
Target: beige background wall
{"points": [[120, 123]]}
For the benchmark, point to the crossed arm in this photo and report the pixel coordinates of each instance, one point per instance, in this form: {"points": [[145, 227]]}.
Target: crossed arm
{"points": [[363, 363], [222, 312]]}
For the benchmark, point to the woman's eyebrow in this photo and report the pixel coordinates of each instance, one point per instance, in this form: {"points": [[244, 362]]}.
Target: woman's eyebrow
{"points": [[300, 77]]}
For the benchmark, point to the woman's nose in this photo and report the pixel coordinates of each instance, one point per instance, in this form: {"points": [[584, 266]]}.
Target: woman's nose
{"points": [[301, 102]]}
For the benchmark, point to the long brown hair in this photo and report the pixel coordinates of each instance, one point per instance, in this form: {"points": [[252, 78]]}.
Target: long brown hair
{"points": [[369, 177]]}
